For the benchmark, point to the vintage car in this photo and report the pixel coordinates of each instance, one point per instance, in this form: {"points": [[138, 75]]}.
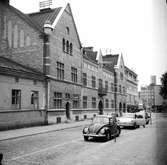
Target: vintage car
{"points": [[131, 120], [102, 126]]}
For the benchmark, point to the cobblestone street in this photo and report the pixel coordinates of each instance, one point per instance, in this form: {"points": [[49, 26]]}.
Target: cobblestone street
{"points": [[140, 146]]}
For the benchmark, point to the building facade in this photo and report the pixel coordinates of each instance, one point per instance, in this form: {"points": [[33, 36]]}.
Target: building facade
{"points": [[131, 89], [62, 80], [150, 97]]}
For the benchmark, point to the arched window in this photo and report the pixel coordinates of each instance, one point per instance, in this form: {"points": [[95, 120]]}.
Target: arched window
{"points": [[71, 48], [67, 46], [64, 45], [67, 30]]}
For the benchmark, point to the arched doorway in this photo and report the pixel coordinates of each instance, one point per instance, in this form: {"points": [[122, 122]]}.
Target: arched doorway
{"points": [[124, 107], [100, 107], [68, 110], [120, 108]]}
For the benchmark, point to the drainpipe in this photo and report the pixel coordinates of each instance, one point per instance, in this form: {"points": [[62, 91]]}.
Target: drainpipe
{"points": [[116, 88], [46, 65]]}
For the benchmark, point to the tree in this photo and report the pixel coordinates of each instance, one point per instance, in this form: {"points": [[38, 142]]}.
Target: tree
{"points": [[163, 89]]}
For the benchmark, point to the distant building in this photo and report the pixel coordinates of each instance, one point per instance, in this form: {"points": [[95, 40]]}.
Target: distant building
{"points": [[150, 97]]}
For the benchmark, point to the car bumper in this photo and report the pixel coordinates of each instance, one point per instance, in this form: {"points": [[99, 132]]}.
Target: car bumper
{"points": [[94, 135]]}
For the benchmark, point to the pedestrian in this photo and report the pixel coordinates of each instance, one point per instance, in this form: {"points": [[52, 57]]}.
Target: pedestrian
{"points": [[1, 157]]}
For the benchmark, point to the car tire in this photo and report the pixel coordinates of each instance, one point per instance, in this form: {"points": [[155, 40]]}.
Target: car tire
{"points": [[144, 126], [86, 138], [135, 126]]}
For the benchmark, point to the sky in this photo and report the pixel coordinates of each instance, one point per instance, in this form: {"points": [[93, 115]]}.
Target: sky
{"points": [[135, 28]]}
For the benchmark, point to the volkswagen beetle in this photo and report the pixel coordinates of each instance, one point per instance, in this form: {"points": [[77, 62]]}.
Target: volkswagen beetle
{"points": [[102, 126]]}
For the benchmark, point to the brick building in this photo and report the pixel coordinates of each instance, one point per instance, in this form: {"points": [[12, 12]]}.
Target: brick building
{"points": [[131, 89], [69, 82]]}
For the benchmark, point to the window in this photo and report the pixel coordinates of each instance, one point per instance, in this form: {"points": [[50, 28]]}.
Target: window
{"points": [[93, 81], [84, 101], [112, 87], [35, 99], [60, 71], [100, 83], [120, 89], [107, 103], [16, 98], [57, 100], [67, 95], [84, 79], [75, 101], [74, 74], [106, 85], [71, 49], [67, 46], [67, 30], [93, 102], [64, 45], [112, 103]]}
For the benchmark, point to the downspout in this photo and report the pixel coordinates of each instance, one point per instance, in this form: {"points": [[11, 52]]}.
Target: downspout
{"points": [[46, 66]]}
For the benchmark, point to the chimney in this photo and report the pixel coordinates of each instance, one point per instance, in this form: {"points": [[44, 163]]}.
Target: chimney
{"points": [[45, 5]]}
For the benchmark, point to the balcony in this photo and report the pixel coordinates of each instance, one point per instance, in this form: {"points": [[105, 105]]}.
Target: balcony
{"points": [[102, 91]]}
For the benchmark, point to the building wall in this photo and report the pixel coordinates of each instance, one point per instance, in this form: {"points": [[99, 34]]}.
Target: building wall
{"points": [[92, 69], [26, 86], [10, 116], [69, 60], [19, 41], [121, 84]]}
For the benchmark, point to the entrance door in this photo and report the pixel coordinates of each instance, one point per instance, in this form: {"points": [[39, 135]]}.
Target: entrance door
{"points": [[100, 106], [68, 110]]}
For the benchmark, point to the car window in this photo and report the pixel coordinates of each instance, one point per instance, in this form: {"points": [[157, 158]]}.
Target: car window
{"points": [[139, 116], [101, 120]]}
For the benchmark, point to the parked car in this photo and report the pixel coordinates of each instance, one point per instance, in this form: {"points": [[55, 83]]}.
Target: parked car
{"points": [[127, 120], [102, 126], [134, 120]]}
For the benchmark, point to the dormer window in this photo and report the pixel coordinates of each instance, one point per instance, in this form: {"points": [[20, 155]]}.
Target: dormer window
{"points": [[67, 30]]}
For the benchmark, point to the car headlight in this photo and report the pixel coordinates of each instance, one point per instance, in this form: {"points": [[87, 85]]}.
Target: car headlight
{"points": [[103, 130], [85, 130]]}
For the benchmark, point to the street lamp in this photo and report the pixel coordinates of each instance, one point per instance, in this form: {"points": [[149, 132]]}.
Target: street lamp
{"points": [[46, 64]]}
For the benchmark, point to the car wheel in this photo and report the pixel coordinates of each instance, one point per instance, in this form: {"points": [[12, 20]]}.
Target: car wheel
{"points": [[135, 126], [144, 126], [86, 138]]}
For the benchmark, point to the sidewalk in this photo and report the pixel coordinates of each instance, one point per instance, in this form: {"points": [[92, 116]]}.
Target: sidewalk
{"points": [[22, 132]]}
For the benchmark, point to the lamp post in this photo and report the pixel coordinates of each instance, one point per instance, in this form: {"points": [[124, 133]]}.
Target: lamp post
{"points": [[46, 65]]}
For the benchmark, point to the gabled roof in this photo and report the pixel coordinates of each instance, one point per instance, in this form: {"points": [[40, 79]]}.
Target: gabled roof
{"points": [[26, 18], [91, 56], [112, 59], [45, 14], [11, 68]]}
